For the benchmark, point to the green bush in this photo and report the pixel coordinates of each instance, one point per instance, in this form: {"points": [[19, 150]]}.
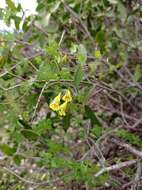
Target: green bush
{"points": [[67, 75]]}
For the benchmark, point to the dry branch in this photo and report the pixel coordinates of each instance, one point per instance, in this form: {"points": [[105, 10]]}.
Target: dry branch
{"points": [[116, 167], [127, 147]]}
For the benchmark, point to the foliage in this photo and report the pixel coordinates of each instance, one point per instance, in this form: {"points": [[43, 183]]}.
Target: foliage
{"points": [[130, 137], [68, 75]]}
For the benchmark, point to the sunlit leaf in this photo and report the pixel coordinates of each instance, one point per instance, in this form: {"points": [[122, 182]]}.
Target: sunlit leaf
{"points": [[11, 5]]}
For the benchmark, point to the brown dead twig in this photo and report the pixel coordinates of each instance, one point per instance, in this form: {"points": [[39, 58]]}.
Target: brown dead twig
{"points": [[128, 147], [135, 185]]}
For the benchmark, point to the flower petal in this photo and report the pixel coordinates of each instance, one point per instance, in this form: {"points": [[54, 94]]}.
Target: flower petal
{"points": [[55, 104], [62, 109], [67, 97]]}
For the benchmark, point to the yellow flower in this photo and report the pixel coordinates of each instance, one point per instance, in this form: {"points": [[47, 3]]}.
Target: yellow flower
{"points": [[62, 110], [67, 97], [55, 104]]}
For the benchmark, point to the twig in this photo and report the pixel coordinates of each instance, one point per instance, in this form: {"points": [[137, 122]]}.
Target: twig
{"points": [[62, 36], [27, 181], [34, 56], [87, 154], [107, 133], [122, 112], [76, 17], [128, 147], [116, 167], [12, 87], [98, 151], [19, 63], [6, 72], [137, 123], [137, 177], [118, 112], [41, 30], [132, 78], [39, 98], [129, 82], [125, 186], [32, 65]]}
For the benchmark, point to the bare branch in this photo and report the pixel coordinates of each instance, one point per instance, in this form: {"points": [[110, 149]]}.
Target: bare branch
{"points": [[128, 147], [137, 177], [116, 167], [29, 181], [39, 98]]}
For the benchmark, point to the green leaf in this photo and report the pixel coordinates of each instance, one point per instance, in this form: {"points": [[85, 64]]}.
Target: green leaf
{"points": [[42, 126], [1, 13], [7, 149], [40, 7], [46, 73], [17, 136], [17, 159], [29, 134], [100, 37], [19, 7], [23, 124], [81, 54], [93, 66], [137, 73], [65, 74], [54, 147], [17, 21], [25, 26], [52, 49], [78, 77], [130, 137], [122, 11], [97, 131], [91, 115], [66, 122], [11, 5]]}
